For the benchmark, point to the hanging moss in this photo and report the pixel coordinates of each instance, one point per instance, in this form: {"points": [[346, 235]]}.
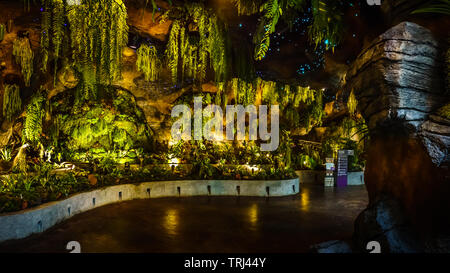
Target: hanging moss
{"points": [[148, 62], [24, 57], [12, 103], [99, 32], [172, 50]]}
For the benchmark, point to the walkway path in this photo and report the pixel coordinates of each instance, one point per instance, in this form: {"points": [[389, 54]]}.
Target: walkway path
{"points": [[202, 224]]}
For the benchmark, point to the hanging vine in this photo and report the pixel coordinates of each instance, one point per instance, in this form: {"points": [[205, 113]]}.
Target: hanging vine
{"points": [[172, 50], [326, 25], [148, 62], [352, 103], [12, 103], [53, 24], [191, 55], [99, 32], [24, 57]]}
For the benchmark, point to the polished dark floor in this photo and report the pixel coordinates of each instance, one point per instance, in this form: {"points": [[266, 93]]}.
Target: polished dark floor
{"points": [[202, 224]]}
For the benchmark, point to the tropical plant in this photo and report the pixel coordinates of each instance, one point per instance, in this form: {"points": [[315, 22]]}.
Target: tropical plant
{"points": [[148, 62], [189, 55], [5, 154], [326, 24], [24, 57], [352, 103], [35, 113], [99, 32], [12, 103]]}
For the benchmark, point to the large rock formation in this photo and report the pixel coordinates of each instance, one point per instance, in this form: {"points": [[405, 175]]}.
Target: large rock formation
{"points": [[399, 83]]}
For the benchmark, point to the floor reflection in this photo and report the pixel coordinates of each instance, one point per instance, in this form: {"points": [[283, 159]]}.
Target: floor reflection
{"points": [[208, 224], [171, 222]]}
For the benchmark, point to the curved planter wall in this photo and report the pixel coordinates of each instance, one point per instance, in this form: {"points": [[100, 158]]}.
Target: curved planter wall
{"points": [[21, 224]]}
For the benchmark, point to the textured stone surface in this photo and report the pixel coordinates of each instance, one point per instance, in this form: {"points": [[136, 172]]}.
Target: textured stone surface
{"points": [[398, 73], [332, 247], [384, 222], [435, 134], [401, 74], [398, 81]]}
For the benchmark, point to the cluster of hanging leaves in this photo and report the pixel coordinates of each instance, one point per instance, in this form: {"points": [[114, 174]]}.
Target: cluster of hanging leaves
{"points": [[243, 91], [53, 24], [24, 57], [12, 103], [191, 54], [98, 32], [326, 25], [32, 128], [300, 106], [352, 103], [148, 62]]}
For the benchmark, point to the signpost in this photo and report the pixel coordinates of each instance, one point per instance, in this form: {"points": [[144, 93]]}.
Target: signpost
{"points": [[342, 168]]}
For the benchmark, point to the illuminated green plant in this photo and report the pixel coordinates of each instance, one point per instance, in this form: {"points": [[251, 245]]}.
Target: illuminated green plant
{"points": [[191, 56], [99, 32], [24, 57], [35, 114], [2, 32], [12, 103], [352, 103], [148, 62], [5, 154], [327, 23], [326, 26]]}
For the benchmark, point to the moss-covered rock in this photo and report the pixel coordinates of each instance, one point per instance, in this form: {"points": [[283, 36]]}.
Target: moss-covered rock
{"points": [[444, 111], [112, 124]]}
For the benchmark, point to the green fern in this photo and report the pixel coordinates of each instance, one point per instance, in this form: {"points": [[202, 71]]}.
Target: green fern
{"points": [[98, 32], [33, 123], [352, 103], [191, 56]]}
